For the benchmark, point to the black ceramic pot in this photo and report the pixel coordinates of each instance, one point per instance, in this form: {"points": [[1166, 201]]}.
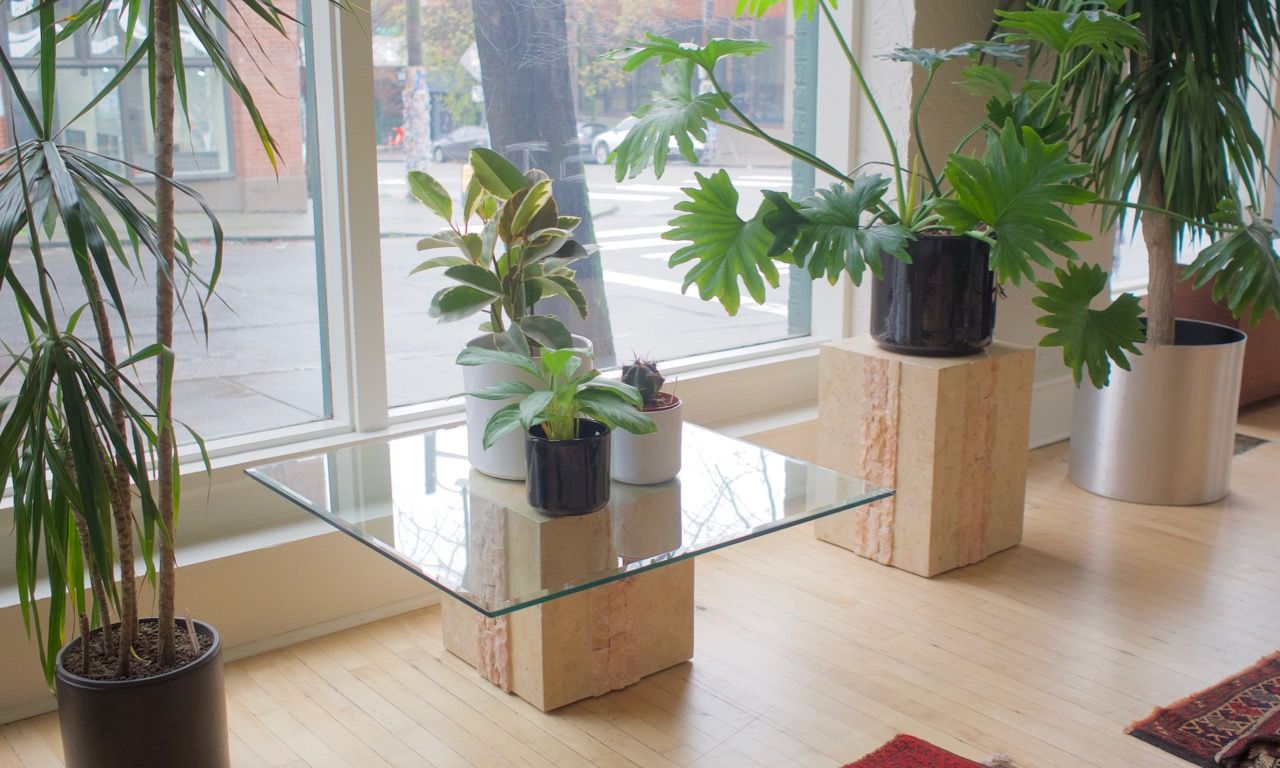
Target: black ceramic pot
{"points": [[175, 719], [568, 477], [942, 304]]}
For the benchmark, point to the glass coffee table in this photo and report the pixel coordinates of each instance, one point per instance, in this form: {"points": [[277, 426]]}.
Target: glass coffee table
{"points": [[559, 609]]}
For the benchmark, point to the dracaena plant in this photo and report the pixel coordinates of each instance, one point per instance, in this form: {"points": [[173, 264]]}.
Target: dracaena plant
{"points": [[1010, 182], [518, 254], [561, 397]]}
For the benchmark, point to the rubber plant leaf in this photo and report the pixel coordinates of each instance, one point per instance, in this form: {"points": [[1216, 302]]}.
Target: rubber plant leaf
{"points": [[1089, 337], [727, 248]]}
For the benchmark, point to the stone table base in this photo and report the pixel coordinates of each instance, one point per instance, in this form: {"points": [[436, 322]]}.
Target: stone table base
{"points": [[581, 645], [948, 434]]}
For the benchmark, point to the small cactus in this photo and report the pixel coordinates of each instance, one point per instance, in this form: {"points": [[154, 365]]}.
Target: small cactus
{"points": [[644, 376]]}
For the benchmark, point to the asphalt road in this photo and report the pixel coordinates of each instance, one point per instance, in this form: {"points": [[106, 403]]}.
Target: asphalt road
{"points": [[261, 367]]}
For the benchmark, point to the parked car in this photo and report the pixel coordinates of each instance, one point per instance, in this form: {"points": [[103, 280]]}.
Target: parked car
{"points": [[604, 143], [588, 131], [458, 143]]}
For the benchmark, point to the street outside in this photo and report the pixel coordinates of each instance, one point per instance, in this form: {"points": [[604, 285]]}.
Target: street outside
{"points": [[261, 368]]}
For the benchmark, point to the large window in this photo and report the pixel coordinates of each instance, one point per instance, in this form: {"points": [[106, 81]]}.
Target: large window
{"points": [[262, 366], [432, 107], [317, 324]]}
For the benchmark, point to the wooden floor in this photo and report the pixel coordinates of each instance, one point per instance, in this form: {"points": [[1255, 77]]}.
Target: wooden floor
{"points": [[809, 656]]}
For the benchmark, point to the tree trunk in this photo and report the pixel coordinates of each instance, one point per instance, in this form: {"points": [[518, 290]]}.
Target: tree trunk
{"points": [[165, 451], [528, 96], [1157, 232]]}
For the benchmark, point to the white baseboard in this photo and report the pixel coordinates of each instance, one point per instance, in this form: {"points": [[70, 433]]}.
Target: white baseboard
{"points": [[1051, 402]]}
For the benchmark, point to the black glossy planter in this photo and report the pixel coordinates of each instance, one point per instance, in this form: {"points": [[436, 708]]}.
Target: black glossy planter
{"points": [[568, 477], [941, 304], [175, 719]]}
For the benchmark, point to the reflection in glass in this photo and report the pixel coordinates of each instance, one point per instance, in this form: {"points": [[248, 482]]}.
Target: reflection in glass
{"points": [[417, 501]]}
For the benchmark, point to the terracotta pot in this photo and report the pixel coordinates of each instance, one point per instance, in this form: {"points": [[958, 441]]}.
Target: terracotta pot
{"points": [[175, 719]]}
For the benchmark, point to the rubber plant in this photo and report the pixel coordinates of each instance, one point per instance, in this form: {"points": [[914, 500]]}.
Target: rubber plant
{"points": [[1010, 181], [520, 254], [82, 439], [1172, 131]]}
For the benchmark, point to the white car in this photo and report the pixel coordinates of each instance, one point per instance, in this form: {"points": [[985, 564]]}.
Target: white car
{"points": [[603, 144]]}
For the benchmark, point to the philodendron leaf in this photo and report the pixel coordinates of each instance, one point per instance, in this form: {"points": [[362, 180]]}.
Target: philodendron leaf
{"points": [[1017, 192], [826, 232], [932, 58], [496, 174], [1242, 265], [667, 50], [726, 248], [1088, 336], [432, 194], [1109, 35], [674, 114], [547, 331]]}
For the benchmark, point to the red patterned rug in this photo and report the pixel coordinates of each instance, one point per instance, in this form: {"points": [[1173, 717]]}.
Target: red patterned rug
{"points": [[909, 752], [1235, 724]]}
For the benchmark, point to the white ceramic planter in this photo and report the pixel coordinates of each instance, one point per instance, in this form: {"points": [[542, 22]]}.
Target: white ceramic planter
{"points": [[505, 459], [652, 458]]}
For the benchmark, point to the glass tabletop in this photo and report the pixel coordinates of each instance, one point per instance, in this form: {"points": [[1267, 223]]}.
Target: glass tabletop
{"points": [[417, 501]]}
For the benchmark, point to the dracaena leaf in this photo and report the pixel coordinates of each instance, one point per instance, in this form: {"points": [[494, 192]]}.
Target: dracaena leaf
{"points": [[727, 248], [1090, 338], [1017, 192]]}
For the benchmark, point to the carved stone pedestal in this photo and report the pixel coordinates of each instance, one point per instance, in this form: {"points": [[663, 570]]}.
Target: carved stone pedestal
{"points": [[581, 645], [948, 434]]}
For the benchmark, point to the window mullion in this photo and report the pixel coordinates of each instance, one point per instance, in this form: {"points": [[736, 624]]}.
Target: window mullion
{"points": [[349, 200]]}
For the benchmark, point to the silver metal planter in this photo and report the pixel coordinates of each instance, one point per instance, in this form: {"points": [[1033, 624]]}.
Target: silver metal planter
{"points": [[1163, 433]]}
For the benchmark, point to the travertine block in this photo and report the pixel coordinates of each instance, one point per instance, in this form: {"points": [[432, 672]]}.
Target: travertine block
{"points": [[949, 434], [581, 645]]}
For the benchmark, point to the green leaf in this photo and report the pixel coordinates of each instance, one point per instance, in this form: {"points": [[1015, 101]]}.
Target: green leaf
{"points": [[476, 277], [611, 409], [1088, 336], [506, 419], [502, 390], [560, 362], [1109, 35], [667, 50], [432, 194], [566, 287], [826, 234], [537, 201], [496, 174], [987, 81], [546, 331], [533, 407], [726, 248], [1017, 191], [481, 356], [674, 113], [458, 302], [440, 261], [758, 8], [1243, 265], [932, 58]]}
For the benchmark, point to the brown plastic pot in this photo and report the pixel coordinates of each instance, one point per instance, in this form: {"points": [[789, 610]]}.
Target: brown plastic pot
{"points": [[175, 719]]}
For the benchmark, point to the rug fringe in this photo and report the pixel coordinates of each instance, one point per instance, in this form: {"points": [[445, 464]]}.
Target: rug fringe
{"points": [[999, 761], [1185, 700]]}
